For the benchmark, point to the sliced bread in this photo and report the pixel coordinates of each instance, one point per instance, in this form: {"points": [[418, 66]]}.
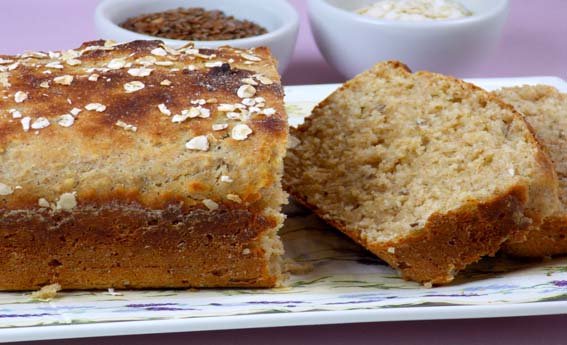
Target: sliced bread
{"points": [[545, 108], [428, 172]]}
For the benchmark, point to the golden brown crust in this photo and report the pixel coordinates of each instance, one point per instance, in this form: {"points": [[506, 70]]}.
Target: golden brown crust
{"points": [[127, 246], [550, 239], [449, 242]]}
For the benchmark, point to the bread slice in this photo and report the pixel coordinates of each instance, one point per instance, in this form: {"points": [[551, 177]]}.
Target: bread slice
{"points": [[144, 166], [428, 172], [545, 108]]}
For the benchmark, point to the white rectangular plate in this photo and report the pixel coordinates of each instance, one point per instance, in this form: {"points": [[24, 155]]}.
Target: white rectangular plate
{"points": [[345, 285]]}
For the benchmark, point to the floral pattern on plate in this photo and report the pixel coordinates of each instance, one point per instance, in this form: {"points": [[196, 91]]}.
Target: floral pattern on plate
{"points": [[343, 277]]}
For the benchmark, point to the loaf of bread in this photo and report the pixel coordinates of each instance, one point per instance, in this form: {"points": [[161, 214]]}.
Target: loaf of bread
{"points": [[545, 108], [428, 172], [141, 166]]}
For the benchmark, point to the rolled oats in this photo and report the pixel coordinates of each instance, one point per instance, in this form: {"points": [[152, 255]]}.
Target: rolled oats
{"points": [[199, 143], [241, 132]]}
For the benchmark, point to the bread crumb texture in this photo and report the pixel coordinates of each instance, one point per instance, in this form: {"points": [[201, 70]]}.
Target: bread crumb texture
{"points": [[46, 293], [417, 167]]}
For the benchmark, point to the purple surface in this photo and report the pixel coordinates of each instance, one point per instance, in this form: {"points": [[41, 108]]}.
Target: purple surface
{"points": [[548, 330], [534, 43], [534, 40]]}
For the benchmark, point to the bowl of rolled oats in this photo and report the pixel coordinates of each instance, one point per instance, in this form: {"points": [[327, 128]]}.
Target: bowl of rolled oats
{"points": [[449, 36], [206, 23]]}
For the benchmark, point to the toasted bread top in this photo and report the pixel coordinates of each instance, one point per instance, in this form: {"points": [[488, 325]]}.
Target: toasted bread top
{"points": [[140, 122]]}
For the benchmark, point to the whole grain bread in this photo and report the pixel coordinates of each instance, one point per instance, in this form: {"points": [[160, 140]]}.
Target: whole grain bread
{"points": [[545, 108], [428, 172], [141, 166]]}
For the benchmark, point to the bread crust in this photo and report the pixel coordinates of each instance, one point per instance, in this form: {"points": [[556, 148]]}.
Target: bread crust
{"points": [[126, 246], [448, 242], [550, 239]]}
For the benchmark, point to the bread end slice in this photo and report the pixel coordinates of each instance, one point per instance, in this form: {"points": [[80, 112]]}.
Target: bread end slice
{"points": [[545, 108]]}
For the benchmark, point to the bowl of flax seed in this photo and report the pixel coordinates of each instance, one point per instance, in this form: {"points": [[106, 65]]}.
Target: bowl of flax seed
{"points": [[206, 23]]}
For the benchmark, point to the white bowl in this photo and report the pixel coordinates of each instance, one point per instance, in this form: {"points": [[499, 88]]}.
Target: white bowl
{"points": [[352, 43], [277, 16]]}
